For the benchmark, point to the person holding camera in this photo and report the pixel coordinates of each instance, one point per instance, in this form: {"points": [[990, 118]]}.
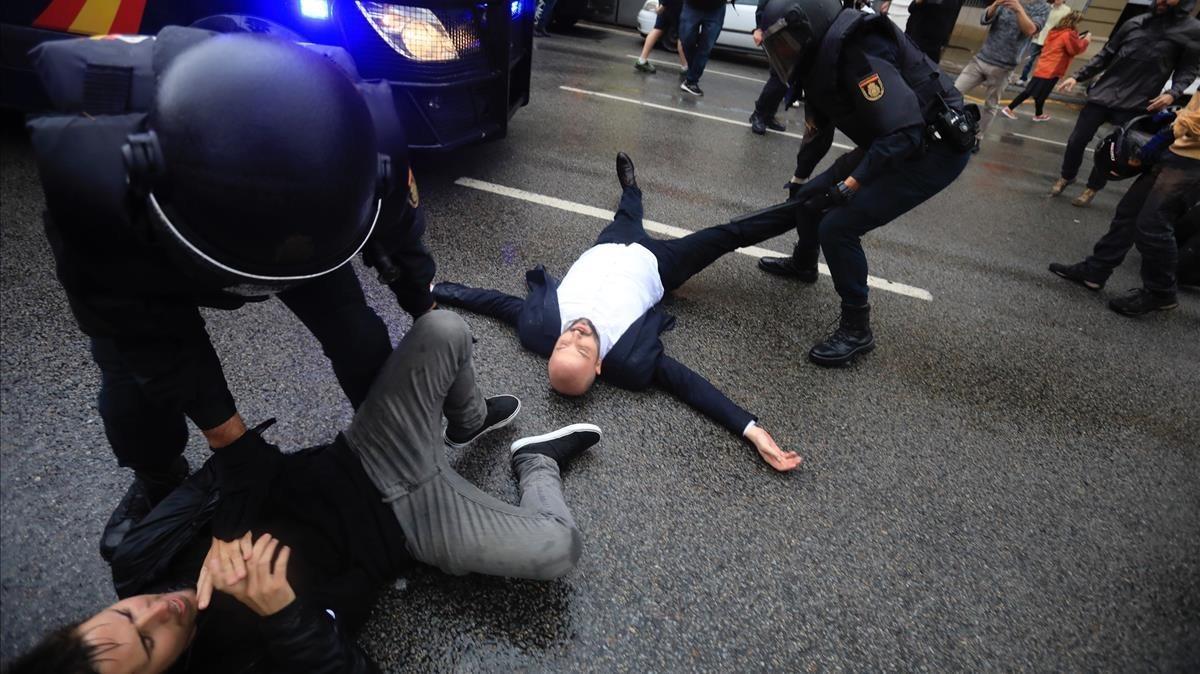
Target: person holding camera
{"points": [[1011, 26]]}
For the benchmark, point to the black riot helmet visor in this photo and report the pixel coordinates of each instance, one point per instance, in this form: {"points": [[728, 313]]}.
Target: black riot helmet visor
{"points": [[793, 30], [261, 164]]}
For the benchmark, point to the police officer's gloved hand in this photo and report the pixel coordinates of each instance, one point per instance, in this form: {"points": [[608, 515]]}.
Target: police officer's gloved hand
{"points": [[245, 470], [833, 197], [793, 188]]}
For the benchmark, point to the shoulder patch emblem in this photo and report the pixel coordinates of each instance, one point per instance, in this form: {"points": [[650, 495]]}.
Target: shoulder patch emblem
{"points": [[871, 87]]}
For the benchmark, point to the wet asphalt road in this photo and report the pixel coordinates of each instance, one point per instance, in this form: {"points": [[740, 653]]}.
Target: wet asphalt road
{"points": [[1008, 482]]}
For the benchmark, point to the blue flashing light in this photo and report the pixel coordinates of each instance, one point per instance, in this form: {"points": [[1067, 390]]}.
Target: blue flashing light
{"points": [[315, 9], [516, 8]]}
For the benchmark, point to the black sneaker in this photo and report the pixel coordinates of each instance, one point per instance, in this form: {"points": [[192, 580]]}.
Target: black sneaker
{"points": [[562, 445], [1078, 273], [1140, 301], [501, 410], [140, 498], [757, 124], [775, 125], [644, 67], [787, 267], [693, 89]]}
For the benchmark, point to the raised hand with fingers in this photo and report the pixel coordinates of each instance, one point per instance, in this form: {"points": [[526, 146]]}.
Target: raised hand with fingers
{"points": [[265, 588], [224, 566]]}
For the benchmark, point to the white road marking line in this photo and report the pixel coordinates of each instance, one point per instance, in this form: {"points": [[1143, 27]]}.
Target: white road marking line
{"points": [[693, 113], [706, 70], [669, 230], [1040, 140]]}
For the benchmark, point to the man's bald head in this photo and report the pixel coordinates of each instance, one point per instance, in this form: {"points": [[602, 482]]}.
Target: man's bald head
{"points": [[575, 360]]}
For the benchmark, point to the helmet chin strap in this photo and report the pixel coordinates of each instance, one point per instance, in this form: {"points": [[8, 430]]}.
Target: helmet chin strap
{"points": [[248, 277]]}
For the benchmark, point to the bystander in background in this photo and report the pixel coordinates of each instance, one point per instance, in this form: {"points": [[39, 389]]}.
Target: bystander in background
{"points": [[699, 25], [666, 23], [1058, 11], [1011, 25], [1062, 45]]}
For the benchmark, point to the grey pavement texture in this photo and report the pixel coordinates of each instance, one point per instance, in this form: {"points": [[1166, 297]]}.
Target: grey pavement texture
{"points": [[1008, 483]]}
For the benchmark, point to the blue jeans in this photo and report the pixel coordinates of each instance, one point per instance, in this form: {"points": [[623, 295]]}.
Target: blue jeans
{"points": [[698, 31]]}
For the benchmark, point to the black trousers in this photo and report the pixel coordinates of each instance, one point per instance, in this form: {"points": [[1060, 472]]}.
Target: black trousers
{"points": [[1091, 118], [147, 432], [1039, 89], [682, 258], [772, 95], [1145, 217]]}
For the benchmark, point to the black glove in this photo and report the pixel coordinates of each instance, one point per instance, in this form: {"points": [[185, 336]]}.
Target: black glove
{"points": [[835, 196], [793, 188], [245, 470]]}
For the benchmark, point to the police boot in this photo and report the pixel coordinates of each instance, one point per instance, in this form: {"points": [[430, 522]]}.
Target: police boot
{"points": [[788, 267], [141, 497], [852, 337]]}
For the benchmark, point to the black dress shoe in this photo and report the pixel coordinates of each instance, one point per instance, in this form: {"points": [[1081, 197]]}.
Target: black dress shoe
{"points": [[1140, 301], [775, 125], [501, 410], [625, 173], [139, 499], [757, 124], [786, 266], [852, 337], [1078, 273], [562, 445]]}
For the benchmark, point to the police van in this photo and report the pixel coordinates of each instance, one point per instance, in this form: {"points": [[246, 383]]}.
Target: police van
{"points": [[458, 69]]}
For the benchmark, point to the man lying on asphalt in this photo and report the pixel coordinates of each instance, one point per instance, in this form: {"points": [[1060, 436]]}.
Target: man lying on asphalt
{"points": [[330, 526], [603, 318]]}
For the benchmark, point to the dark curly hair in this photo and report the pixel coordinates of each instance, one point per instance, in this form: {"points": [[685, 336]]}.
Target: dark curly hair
{"points": [[62, 651]]}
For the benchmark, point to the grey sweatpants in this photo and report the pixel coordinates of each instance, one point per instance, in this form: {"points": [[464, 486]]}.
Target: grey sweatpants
{"points": [[993, 78], [450, 523]]}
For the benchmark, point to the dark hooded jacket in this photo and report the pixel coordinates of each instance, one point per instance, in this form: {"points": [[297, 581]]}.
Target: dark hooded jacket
{"points": [[1141, 56]]}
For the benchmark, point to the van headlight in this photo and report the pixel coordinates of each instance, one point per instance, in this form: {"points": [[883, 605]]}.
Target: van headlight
{"points": [[414, 32]]}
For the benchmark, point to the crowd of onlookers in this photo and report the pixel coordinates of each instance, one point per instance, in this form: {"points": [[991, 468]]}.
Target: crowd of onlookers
{"points": [[1140, 74]]}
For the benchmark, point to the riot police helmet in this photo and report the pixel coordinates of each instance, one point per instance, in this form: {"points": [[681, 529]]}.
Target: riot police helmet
{"points": [[260, 165], [1114, 151], [793, 30]]}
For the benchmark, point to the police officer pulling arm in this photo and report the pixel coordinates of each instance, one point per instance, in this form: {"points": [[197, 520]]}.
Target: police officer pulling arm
{"points": [[196, 169], [865, 78]]}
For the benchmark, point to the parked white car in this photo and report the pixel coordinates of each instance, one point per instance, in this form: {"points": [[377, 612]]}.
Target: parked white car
{"points": [[739, 24]]}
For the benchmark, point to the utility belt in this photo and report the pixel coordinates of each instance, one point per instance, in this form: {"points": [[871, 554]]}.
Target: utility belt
{"points": [[953, 127]]}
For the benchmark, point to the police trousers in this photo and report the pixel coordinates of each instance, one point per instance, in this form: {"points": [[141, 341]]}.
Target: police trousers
{"points": [[150, 387], [448, 522]]}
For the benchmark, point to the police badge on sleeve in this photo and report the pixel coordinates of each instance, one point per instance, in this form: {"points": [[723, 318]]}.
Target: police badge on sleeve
{"points": [[871, 87]]}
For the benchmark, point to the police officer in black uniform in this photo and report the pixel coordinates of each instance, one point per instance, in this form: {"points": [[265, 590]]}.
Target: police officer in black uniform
{"points": [[202, 170], [864, 77]]}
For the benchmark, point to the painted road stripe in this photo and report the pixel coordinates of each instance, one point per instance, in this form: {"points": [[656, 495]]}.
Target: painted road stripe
{"points": [[669, 230], [676, 66], [656, 106], [1042, 140]]}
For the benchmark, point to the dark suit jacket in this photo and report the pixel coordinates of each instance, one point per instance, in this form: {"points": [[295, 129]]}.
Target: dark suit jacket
{"points": [[636, 361]]}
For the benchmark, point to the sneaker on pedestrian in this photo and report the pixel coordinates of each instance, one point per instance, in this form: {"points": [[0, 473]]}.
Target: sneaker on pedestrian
{"points": [[501, 410], [1058, 186], [774, 124], [1078, 273], [1041, 118], [1022, 81], [693, 89], [562, 445], [644, 67], [1140, 301], [1085, 197], [757, 124], [1007, 112]]}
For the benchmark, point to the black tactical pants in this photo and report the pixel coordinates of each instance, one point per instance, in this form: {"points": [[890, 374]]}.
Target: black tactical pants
{"points": [[148, 388]]}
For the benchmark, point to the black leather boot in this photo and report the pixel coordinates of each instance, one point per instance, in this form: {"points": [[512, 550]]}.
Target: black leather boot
{"points": [[141, 497], [852, 337], [786, 266]]}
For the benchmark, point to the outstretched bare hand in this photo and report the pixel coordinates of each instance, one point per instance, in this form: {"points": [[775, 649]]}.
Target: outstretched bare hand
{"points": [[777, 458]]}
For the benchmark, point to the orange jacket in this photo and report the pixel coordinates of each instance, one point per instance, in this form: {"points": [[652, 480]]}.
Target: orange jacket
{"points": [[1062, 45]]}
